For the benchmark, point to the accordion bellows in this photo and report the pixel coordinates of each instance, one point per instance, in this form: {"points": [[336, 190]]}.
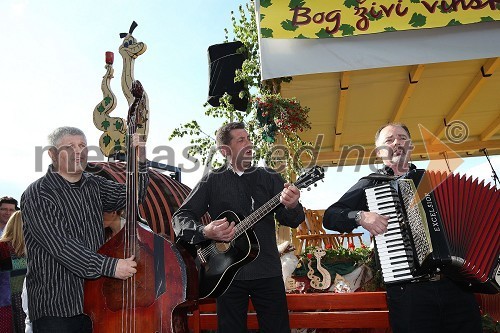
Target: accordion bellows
{"points": [[469, 212]]}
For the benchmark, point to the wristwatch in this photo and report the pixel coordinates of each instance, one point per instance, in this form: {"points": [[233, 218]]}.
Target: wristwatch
{"points": [[358, 216]]}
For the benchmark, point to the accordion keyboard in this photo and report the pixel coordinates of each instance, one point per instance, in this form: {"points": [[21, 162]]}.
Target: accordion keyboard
{"points": [[393, 247]]}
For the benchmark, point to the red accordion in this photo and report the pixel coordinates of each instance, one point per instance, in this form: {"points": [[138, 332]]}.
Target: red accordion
{"points": [[439, 221]]}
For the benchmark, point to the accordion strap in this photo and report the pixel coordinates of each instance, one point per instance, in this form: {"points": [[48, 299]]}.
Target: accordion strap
{"points": [[380, 177]]}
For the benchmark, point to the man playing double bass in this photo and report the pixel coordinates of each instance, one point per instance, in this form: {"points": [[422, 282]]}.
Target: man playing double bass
{"points": [[63, 230]]}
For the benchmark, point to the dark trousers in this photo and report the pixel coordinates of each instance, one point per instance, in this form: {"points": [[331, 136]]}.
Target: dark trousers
{"points": [[76, 324], [268, 298], [433, 307]]}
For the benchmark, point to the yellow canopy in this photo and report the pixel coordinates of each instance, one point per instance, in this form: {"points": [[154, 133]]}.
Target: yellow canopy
{"points": [[458, 102]]}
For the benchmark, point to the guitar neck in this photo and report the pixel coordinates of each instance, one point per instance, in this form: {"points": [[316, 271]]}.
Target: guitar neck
{"points": [[257, 215], [310, 177], [132, 206]]}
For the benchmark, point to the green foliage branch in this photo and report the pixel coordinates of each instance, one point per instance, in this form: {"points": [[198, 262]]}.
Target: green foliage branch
{"points": [[283, 159]]}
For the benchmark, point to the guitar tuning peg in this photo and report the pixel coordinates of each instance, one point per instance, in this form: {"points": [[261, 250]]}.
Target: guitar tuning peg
{"points": [[308, 188], [315, 185]]}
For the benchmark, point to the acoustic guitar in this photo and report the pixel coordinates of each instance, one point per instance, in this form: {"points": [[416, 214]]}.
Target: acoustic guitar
{"points": [[218, 262]]}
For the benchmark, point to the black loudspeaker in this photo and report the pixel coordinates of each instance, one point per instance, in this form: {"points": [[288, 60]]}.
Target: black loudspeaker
{"points": [[223, 60]]}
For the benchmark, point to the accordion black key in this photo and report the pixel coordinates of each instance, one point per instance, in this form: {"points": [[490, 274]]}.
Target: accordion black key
{"points": [[439, 221]]}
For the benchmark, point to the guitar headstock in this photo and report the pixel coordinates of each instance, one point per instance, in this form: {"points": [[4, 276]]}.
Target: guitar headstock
{"points": [[310, 177]]}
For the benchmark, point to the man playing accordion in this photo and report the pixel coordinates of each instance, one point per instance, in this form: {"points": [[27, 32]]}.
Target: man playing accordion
{"points": [[426, 305]]}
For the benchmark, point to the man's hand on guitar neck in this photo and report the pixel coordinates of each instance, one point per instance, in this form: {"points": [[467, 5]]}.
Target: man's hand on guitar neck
{"points": [[290, 196], [219, 230]]}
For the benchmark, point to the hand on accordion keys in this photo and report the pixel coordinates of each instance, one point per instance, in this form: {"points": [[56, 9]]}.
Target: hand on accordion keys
{"points": [[375, 223]]}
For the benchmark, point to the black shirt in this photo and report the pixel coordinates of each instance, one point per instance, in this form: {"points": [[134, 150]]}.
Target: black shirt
{"points": [[339, 216], [222, 190]]}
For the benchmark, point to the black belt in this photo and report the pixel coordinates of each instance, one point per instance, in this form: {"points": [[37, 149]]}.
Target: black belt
{"points": [[436, 277], [433, 277]]}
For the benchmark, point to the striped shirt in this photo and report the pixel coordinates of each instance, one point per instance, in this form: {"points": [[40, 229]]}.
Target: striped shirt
{"points": [[63, 229]]}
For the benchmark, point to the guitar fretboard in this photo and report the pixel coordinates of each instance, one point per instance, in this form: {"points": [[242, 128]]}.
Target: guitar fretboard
{"points": [[257, 215]]}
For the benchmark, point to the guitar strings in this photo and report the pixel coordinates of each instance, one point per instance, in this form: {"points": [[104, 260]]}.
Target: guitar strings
{"points": [[245, 224], [249, 221], [128, 289]]}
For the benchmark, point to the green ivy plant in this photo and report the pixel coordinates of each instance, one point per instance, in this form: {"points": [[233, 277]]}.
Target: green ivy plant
{"points": [[279, 153]]}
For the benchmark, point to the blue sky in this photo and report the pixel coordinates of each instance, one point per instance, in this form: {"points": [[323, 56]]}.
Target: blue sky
{"points": [[53, 62]]}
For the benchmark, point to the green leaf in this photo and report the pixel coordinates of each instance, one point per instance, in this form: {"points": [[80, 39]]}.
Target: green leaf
{"points": [[351, 3], [288, 25], [118, 146], [106, 140], [487, 19], [301, 36], [417, 20], [453, 23], [118, 124], [323, 34], [266, 32], [265, 3], [105, 124], [296, 3], [414, 1], [390, 29], [372, 18], [100, 108], [107, 100], [347, 29]]}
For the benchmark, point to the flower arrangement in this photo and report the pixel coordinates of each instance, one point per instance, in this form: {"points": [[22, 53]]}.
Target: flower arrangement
{"points": [[355, 255], [278, 114], [340, 260]]}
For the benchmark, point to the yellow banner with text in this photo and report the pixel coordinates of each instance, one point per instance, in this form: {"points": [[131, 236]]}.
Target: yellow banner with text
{"points": [[341, 18]]}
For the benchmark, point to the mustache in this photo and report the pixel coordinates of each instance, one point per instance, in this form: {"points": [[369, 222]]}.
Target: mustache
{"points": [[406, 147], [400, 148]]}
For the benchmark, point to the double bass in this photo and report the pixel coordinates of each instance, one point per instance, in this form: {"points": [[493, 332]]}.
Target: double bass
{"points": [[156, 298]]}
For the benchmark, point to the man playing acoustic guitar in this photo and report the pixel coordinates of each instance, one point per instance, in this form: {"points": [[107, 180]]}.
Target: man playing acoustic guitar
{"points": [[244, 189]]}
